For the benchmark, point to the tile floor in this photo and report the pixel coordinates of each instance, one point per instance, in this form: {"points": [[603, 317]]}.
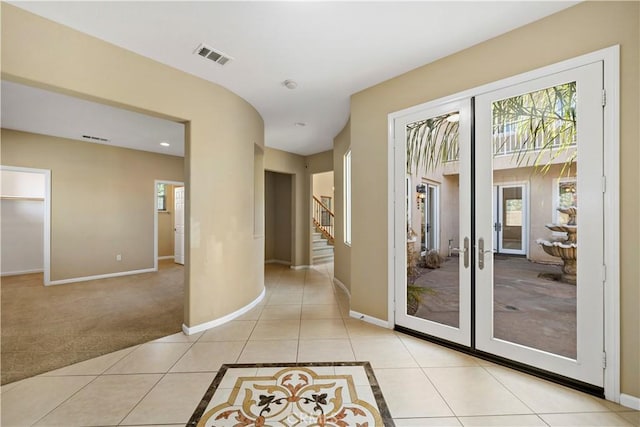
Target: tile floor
{"points": [[303, 317]]}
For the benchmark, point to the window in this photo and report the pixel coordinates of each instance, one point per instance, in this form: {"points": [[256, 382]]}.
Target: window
{"points": [[161, 198], [347, 198], [566, 196]]}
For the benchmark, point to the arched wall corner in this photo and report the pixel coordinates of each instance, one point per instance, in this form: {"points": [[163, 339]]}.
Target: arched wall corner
{"points": [[222, 130]]}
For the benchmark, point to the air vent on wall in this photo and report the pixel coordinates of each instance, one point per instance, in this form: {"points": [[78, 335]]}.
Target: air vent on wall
{"points": [[95, 138], [212, 54]]}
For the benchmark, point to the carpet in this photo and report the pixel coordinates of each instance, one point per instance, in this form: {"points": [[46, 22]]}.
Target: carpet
{"points": [[49, 327], [293, 394]]}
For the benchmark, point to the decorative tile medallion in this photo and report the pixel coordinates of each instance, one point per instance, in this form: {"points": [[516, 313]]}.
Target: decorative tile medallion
{"points": [[293, 394]]}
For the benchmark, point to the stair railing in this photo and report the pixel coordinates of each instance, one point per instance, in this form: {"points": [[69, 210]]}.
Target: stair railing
{"points": [[323, 219]]}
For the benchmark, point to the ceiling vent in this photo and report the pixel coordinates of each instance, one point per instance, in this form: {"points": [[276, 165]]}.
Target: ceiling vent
{"points": [[95, 138], [212, 54]]}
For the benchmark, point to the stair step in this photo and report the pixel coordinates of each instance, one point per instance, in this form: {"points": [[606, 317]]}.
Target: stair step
{"points": [[326, 258], [322, 251]]}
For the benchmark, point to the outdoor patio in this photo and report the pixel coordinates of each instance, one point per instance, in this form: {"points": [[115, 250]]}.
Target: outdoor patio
{"points": [[530, 310]]}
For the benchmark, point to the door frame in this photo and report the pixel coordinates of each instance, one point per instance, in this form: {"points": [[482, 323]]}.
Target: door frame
{"points": [[155, 216], [47, 216], [610, 57], [435, 207], [525, 214]]}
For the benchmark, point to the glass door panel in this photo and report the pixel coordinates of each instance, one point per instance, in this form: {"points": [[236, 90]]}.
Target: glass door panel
{"points": [[544, 309], [433, 272]]}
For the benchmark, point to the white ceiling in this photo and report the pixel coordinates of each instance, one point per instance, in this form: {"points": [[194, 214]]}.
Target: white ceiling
{"points": [[39, 111], [332, 49]]}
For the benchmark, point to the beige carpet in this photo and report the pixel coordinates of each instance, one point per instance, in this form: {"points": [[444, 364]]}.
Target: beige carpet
{"points": [[45, 328]]}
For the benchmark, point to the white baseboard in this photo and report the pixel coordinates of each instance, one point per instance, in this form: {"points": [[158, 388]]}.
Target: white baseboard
{"points": [[166, 257], [100, 276], [370, 319], [217, 322], [300, 267], [630, 401], [277, 261], [17, 273], [342, 286]]}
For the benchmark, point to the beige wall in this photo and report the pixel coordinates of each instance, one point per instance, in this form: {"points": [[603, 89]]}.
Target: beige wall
{"points": [[278, 216], [342, 252], [323, 186], [166, 235], [102, 201], [223, 268], [564, 35]]}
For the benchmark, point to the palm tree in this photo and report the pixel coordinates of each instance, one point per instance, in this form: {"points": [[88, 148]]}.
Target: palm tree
{"points": [[536, 129]]}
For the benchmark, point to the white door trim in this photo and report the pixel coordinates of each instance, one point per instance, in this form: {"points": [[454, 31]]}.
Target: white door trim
{"points": [[611, 58], [155, 217], [47, 215]]}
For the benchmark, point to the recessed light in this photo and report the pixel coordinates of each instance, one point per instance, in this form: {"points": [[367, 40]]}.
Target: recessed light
{"points": [[165, 144], [300, 124], [290, 84]]}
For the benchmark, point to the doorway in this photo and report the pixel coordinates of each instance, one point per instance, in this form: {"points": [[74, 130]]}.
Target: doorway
{"points": [[278, 218], [429, 206], [25, 195], [500, 156], [169, 221], [510, 219]]}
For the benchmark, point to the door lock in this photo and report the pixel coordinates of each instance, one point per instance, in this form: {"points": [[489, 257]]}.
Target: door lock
{"points": [[464, 251], [481, 253]]}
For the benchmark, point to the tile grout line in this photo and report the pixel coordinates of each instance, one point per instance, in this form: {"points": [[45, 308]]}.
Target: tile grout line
{"points": [[159, 379], [64, 401], [85, 386], [437, 390], [512, 392]]}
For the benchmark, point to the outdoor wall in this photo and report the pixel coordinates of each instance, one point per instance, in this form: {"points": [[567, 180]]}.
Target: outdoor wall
{"points": [[541, 205], [293, 164], [278, 216], [564, 35], [448, 212], [166, 234], [102, 201], [342, 251], [224, 260], [22, 222]]}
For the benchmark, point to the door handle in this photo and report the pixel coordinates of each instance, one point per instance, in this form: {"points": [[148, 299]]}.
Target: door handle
{"points": [[481, 253], [464, 252]]}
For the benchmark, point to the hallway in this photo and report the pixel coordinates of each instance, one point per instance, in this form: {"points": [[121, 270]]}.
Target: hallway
{"points": [[302, 318]]}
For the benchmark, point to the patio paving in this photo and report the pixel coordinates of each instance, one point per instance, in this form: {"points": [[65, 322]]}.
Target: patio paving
{"points": [[529, 310]]}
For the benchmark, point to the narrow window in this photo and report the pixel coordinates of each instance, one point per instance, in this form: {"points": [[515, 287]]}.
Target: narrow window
{"points": [[347, 198], [161, 202]]}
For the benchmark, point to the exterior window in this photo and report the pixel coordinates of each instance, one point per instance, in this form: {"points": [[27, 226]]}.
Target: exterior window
{"points": [[567, 196], [347, 198], [161, 198]]}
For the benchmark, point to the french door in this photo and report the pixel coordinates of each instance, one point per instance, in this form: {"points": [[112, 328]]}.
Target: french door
{"points": [[502, 180], [441, 307]]}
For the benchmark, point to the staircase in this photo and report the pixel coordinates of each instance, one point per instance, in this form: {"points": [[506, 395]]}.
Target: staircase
{"points": [[323, 220], [322, 250]]}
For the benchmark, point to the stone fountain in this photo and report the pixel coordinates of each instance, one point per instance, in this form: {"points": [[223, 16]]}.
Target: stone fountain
{"points": [[566, 250]]}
